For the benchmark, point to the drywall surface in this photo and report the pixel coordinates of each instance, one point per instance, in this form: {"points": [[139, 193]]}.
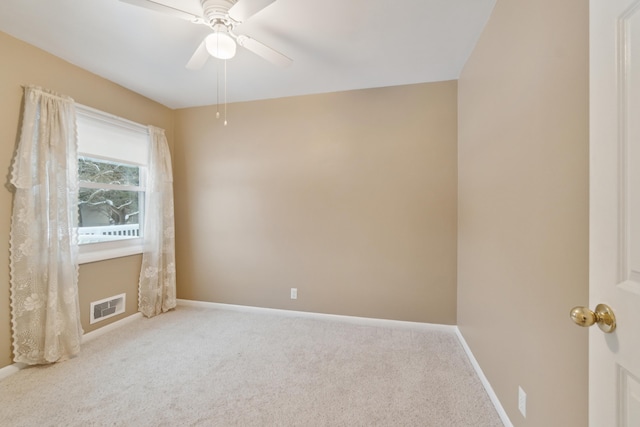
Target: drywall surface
{"points": [[349, 197], [523, 207]]}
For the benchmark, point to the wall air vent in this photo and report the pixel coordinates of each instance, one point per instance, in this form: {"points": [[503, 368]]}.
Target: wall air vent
{"points": [[107, 307]]}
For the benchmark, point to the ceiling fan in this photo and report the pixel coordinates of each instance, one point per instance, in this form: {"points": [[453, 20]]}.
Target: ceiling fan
{"points": [[222, 16]]}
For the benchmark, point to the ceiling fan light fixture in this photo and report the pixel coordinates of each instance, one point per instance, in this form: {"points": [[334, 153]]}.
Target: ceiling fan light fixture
{"points": [[220, 45]]}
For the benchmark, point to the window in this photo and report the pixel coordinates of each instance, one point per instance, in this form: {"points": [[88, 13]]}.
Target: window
{"points": [[110, 202], [112, 158]]}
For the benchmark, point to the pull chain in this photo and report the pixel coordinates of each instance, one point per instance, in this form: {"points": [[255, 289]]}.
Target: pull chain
{"points": [[217, 81], [225, 92], [217, 89]]}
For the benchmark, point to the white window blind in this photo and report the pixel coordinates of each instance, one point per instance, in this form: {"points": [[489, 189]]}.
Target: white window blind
{"points": [[102, 135]]}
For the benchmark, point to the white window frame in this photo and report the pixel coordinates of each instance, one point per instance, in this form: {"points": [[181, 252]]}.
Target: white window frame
{"points": [[92, 252]]}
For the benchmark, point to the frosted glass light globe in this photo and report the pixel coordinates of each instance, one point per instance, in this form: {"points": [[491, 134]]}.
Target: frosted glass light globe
{"points": [[220, 45]]}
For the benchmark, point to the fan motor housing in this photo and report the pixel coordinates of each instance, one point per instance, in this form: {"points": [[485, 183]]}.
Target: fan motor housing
{"points": [[216, 10]]}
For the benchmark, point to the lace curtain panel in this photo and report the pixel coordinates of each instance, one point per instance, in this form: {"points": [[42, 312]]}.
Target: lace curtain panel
{"points": [[43, 258], [157, 286]]}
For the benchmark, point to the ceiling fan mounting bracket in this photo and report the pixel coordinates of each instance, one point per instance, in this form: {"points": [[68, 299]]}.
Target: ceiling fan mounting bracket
{"points": [[221, 26], [216, 12]]}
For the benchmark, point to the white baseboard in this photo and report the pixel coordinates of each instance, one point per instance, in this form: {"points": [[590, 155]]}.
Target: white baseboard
{"points": [[485, 382], [365, 321], [110, 327], [12, 369]]}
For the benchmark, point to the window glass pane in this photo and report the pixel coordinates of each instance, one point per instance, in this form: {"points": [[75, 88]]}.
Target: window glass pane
{"points": [[107, 215], [105, 172]]}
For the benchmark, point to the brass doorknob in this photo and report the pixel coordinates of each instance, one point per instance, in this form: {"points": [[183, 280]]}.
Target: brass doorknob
{"points": [[603, 316]]}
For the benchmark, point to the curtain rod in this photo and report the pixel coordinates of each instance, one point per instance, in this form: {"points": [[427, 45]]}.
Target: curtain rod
{"points": [[94, 112], [49, 93]]}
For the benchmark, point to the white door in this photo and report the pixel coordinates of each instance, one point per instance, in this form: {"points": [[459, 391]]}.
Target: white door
{"points": [[614, 272]]}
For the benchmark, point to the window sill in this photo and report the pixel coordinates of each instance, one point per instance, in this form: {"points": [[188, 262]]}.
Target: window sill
{"points": [[100, 252]]}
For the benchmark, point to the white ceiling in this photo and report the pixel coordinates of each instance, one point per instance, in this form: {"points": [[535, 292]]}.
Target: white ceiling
{"points": [[336, 45]]}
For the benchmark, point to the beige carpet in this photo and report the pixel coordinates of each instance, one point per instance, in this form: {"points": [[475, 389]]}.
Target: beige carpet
{"points": [[210, 367]]}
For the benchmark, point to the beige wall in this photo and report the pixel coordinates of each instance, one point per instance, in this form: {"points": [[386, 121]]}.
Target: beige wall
{"points": [[523, 207], [23, 64], [349, 197]]}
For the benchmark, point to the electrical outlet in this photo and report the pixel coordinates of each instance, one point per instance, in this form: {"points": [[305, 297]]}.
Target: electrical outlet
{"points": [[294, 293], [522, 401]]}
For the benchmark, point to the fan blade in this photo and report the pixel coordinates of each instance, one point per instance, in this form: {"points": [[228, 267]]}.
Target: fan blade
{"points": [[264, 51], [244, 9], [199, 57], [167, 10]]}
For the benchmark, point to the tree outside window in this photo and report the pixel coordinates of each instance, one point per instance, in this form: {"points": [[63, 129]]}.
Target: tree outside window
{"points": [[110, 200]]}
